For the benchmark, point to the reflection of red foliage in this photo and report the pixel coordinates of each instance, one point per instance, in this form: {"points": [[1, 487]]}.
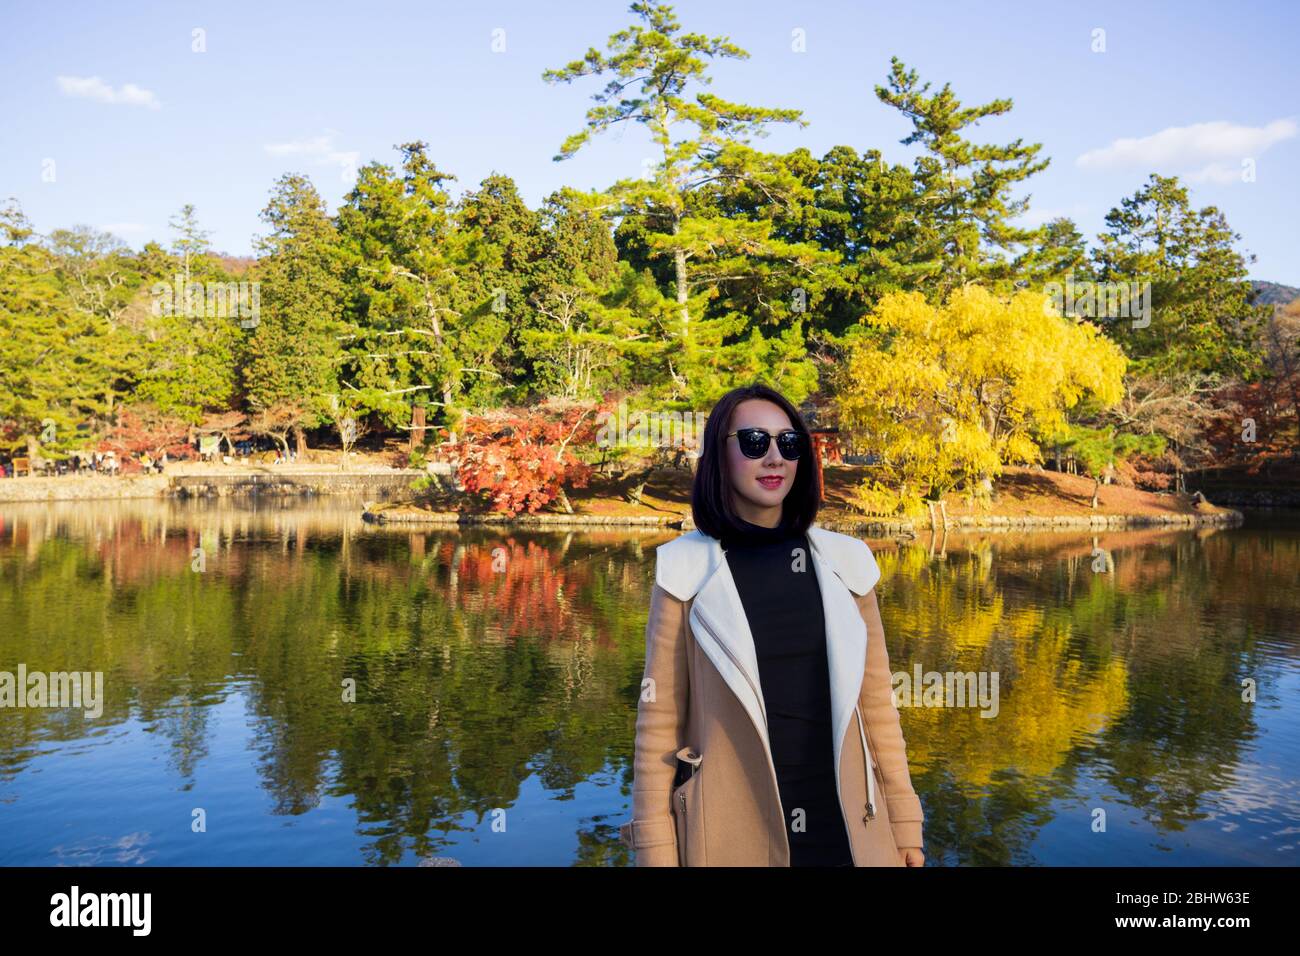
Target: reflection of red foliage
{"points": [[522, 458], [522, 588], [535, 590]]}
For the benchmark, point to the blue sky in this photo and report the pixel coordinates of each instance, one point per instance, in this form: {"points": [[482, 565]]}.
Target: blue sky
{"points": [[112, 103]]}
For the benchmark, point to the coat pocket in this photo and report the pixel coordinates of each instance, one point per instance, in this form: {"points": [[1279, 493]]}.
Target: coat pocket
{"points": [[687, 809]]}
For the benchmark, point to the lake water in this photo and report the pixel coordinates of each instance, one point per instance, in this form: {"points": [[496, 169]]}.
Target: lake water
{"points": [[494, 679]]}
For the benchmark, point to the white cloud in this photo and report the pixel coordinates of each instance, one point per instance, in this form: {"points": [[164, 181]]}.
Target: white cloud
{"points": [[319, 150], [1191, 148], [93, 88], [1222, 174]]}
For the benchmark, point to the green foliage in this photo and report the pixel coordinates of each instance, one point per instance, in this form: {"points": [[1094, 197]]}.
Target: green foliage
{"points": [[721, 264], [53, 376], [1202, 321], [673, 213], [294, 352], [961, 193], [413, 325], [1098, 448]]}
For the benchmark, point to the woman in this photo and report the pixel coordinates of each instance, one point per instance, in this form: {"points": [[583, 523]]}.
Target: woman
{"points": [[766, 730]]}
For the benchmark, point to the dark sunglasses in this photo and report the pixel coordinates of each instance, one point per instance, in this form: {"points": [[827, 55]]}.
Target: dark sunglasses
{"points": [[754, 442]]}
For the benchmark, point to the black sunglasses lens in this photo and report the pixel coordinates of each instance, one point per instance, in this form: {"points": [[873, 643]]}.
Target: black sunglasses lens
{"points": [[753, 442], [790, 444]]}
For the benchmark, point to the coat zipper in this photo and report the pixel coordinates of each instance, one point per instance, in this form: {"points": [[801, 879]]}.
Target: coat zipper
{"points": [[866, 756], [776, 786], [686, 827], [681, 798]]}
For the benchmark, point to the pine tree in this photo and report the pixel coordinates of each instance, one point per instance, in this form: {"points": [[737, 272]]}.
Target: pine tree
{"points": [[52, 377], [585, 332], [403, 257], [496, 283], [1202, 320], [963, 190], [294, 352], [674, 211], [191, 347]]}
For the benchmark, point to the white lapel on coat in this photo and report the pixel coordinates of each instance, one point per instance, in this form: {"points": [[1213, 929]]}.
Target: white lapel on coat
{"points": [[846, 636], [722, 630], [694, 565]]}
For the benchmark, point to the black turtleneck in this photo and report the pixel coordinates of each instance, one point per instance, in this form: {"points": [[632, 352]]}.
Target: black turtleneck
{"points": [[783, 606]]}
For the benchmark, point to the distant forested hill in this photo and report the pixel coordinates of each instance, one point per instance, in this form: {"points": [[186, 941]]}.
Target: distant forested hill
{"points": [[1274, 293]]}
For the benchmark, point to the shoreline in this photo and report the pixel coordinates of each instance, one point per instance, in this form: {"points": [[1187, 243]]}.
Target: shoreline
{"points": [[383, 491], [871, 527]]}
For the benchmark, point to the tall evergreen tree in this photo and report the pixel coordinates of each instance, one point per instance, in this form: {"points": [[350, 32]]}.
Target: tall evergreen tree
{"points": [[1202, 319], [191, 240], [963, 189], [192, 340], [496, 284], [52, 377], [1202, 331], [674, 206], [403, 258], [294, 352], [1059, 253], [589, 330]]}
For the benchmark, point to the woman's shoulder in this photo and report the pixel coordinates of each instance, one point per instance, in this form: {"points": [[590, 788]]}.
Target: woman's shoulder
{"points": [[850, 557], [683, 564]]}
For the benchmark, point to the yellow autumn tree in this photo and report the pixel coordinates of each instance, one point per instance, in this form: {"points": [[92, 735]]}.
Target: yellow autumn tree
{"points": [[948, 395]]}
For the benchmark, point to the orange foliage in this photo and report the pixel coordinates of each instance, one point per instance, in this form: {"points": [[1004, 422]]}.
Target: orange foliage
{"points": [[521, 459]]}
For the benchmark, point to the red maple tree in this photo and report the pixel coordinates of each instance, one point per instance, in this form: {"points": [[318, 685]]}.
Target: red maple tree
{"points": [[142, 428], [521, 459]]}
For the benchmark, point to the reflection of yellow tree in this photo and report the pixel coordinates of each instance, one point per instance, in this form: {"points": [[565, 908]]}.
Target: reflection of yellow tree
{"points": [[953, 616]]}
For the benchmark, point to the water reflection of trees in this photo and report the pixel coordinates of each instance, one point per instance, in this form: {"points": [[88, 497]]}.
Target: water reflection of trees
{"points": [[477, 657], [482, 657], [1132, 676]]}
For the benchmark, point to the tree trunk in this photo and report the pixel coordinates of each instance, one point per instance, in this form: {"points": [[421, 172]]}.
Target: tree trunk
{"points": [[1096, 490], [432, 306], [300, 440], [637, 490], [679, 269]]}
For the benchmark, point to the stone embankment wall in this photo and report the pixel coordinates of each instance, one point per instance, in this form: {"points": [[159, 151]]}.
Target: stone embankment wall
{"points": [[381, 486]]}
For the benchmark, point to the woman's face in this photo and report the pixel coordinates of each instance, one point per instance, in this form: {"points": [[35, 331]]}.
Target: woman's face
{"points": [[760, 484]]}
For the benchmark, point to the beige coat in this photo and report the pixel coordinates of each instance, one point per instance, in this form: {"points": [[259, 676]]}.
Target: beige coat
{"points": [[702, 700]]}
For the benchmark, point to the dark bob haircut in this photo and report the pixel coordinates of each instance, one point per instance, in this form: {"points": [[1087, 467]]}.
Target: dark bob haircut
{"points": [[711, 493]]}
